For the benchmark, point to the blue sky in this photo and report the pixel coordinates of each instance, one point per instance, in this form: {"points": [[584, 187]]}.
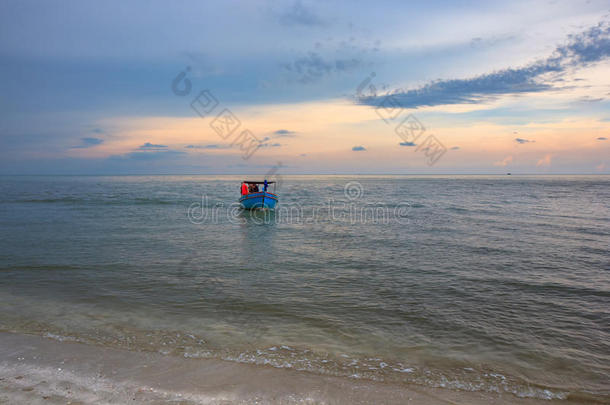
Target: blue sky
{"points": [[87, 86]]}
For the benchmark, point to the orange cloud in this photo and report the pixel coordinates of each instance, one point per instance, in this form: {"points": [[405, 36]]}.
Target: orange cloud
{"points": [[504, 162], [545, 161]]}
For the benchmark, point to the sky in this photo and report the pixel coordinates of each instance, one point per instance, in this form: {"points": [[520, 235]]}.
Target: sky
{"points": [[304, 87]]}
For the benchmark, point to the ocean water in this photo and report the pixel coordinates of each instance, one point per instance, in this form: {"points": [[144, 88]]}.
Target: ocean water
{"points": [[481, 283]]}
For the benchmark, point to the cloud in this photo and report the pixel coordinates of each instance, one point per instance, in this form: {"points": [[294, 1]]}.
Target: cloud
{"points": [[154, 155], [602, 138], [467, 91], [455, 148], [358, 148], [345, 65], [298, 14], [210, 146], [147, 155], [601, 167], [522, 141], [475, 41], [149, 151], [589, 99], [545, 161], [478, 42], [587, 47], [151, 146], [313, 66], [89, 143], [270, 145], [284, 132], [504, 162], [407, 144]]}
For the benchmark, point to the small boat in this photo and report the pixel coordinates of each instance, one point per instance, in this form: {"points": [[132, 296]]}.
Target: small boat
{"points": [[254, 198]]}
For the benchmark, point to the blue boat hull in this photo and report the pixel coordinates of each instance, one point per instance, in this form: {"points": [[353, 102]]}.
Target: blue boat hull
{"points": [[258, 201]]}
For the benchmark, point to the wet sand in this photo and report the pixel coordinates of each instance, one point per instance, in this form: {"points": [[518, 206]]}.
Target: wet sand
{"points": [[36, 370]]}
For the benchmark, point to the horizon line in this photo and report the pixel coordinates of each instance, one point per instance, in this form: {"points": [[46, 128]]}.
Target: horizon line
{"points": [[301, 174]]}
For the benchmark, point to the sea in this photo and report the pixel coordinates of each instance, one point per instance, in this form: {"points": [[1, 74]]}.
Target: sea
{"points": [[476, 282]]}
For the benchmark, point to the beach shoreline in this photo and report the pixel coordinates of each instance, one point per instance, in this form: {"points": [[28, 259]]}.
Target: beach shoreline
{"points": [[36, 370]]}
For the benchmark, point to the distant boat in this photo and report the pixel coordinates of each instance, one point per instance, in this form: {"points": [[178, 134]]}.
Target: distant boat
{"points": [[254, 198], [508, 174]]}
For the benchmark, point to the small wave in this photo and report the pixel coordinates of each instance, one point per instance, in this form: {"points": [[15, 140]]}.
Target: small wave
{"points": [[66, 200], [286, 357], [564, 289], [152, 201], [61, 338], [46, 267], [378, 369], [191, 346], [458, 209], [95, 201]]}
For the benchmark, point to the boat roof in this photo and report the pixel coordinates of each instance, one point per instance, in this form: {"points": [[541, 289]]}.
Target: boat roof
{"points": [[257, 182]]}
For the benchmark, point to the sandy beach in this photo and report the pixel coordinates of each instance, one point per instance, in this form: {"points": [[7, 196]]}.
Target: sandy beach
{"points": [[36, 370]]}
